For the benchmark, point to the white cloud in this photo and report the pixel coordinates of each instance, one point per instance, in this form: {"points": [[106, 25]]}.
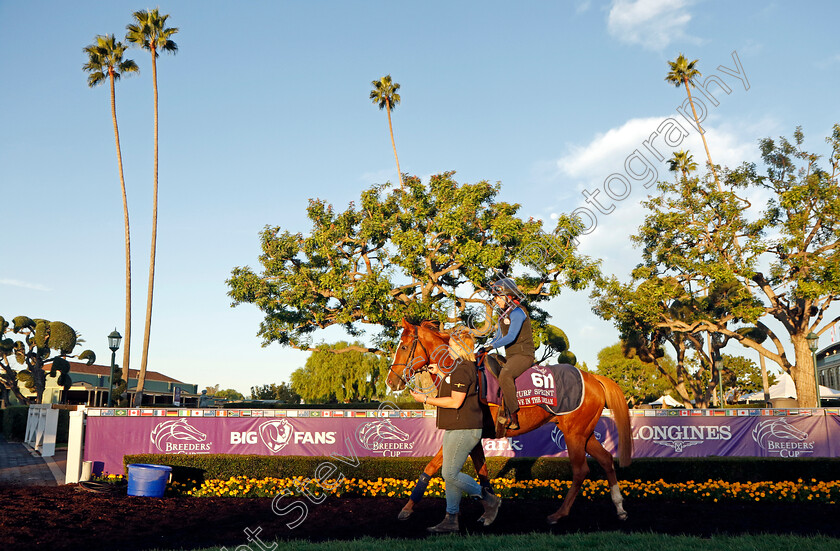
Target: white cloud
{"points": [[653, 24], [24, 285], [586, 167]]}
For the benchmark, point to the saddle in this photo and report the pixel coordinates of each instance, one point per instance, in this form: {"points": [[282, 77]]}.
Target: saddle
{"points": [[558, 389]]}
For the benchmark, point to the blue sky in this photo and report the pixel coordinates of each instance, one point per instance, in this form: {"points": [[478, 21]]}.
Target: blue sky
{"points": [[266, 105]]}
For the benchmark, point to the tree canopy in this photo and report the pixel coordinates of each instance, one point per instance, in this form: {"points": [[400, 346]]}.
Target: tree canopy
{"points": [[639, 380], [38, 339], [229, 394], [282, 392], [421, 253], [330, 377], [716, 264]]}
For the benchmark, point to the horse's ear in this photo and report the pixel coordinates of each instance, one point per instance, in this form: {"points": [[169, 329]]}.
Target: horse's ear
{"points": [[405, 324]]}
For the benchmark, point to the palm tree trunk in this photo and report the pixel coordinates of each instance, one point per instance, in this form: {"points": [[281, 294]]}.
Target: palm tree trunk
{"points": [[702, 133], [141, 378], [391, 128], [127, 328]]}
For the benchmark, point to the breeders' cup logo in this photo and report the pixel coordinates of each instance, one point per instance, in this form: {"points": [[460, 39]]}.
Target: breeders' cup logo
{"points": [[560, 440], [178, 436], [777, 436], [383, 436], [276, 434], [680, 437]]}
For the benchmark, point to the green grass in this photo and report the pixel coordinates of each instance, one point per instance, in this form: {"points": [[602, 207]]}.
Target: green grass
{"points": [[604, 541]]}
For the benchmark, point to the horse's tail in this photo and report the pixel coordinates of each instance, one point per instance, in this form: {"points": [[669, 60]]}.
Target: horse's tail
{"points": [[621, 414]]}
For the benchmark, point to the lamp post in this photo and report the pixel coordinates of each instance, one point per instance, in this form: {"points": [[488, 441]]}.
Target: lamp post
{"points": [[814, 343], [114, 344]]}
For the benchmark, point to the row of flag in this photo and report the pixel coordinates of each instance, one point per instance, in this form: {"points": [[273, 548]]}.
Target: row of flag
{"points": [[149, 412], [751, 412]]}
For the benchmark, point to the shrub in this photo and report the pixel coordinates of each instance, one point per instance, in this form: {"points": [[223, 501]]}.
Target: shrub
{"points": [[14, 422], [742, 469]]}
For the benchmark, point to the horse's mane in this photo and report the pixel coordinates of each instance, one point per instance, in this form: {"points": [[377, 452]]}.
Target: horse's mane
{"points": [[461, 332]]}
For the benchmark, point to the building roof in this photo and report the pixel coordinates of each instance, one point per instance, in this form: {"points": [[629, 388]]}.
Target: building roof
{"points": [[105, 371]]}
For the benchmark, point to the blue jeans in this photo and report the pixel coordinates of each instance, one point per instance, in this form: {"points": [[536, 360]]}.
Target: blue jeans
{"points": [[457, 445]]}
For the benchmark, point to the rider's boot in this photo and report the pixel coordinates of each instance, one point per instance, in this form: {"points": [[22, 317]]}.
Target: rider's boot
{"points": [[513, 421]]}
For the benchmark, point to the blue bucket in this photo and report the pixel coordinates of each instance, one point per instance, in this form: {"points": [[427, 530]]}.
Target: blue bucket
{"points": [[147, 480]]}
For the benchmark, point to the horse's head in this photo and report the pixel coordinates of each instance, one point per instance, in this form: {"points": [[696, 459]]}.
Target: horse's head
{"points": [[419, 346]]}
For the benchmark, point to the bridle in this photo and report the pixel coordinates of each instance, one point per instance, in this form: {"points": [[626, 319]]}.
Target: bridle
{"points": [[415, 340]]}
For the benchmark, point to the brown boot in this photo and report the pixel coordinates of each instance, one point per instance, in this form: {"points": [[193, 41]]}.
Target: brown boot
{"points": [[513, 421], [491, 503], [449, 525]]}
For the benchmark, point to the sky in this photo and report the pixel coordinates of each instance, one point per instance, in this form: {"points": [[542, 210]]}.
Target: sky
{"points": [[266, 106]]}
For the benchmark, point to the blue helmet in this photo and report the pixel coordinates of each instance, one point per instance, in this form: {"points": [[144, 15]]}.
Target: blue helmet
{"points": [[505, 287]]}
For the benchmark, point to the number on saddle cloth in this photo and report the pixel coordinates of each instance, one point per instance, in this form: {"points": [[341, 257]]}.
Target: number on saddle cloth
{"points": [[556, 388]]}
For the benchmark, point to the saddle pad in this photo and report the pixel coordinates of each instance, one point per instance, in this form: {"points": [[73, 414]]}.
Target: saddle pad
{"points": [[556, 388]]}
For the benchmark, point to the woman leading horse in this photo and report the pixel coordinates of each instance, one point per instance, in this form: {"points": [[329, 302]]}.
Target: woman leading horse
{"points": [[422, 344]]}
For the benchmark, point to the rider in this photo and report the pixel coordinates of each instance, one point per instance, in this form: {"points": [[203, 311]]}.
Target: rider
{"points": [[514, 333]]}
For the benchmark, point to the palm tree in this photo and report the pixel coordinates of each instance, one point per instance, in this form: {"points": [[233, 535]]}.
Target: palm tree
{"points": [[682, 161], [385, 94], [149, 32], [683, 72], [105, 61]]}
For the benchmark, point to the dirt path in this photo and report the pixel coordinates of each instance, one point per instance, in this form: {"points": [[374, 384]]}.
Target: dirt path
{"points": [[60, 518]]}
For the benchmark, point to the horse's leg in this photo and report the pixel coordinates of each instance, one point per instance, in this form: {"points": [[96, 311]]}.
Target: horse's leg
{"points": [[605, 459], [422, 482], [576, 444]]}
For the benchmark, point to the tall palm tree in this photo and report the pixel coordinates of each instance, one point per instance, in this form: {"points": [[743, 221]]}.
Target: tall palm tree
{"points": [[682, 161], [385, 94], [105, 61], [149, 32], [682, 73]]}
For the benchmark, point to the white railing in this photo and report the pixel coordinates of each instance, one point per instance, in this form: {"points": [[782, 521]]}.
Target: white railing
{"points": [[41, 428]]}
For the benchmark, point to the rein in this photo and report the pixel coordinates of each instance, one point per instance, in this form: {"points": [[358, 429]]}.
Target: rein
{"points": [[415, 340]]}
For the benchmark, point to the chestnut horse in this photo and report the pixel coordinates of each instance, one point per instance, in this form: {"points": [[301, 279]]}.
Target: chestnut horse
{"points": [[422, 344]]}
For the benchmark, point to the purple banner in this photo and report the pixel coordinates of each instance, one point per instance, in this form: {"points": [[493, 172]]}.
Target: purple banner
{"points": [[110, 434]]}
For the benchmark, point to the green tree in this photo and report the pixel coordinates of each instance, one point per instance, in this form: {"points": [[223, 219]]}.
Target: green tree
{"points": [[105, 61], [38, 339], [331, 377], [741, 376], [682, 73], [417, 254], [282, 392], [149, 31], [786, 268], [212, 390], [385, 94], [683, 162], [229, 394], [640, 380]]}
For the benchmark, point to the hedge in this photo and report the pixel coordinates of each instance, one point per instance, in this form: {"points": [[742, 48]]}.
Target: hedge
{"points": [[741, 469], [13, 423]]}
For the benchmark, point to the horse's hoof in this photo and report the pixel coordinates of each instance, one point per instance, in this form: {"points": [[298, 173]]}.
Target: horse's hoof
{"points": [[482, 519], [552, 520], [622, 516], [404, 514]]}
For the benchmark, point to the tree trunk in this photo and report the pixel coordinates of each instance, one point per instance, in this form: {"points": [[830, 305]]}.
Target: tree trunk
{"points": [[702, 133], [394, 145], [127, 327], [765, 384], [141, 378], [803, 373]]}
